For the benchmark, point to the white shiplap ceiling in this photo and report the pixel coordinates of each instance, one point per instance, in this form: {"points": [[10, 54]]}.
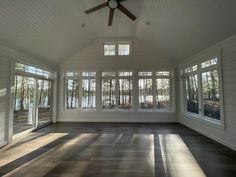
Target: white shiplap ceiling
{"points": [[52, 29]]}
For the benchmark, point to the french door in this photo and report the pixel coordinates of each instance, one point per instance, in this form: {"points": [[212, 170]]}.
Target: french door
{"points": [[32, 103]]}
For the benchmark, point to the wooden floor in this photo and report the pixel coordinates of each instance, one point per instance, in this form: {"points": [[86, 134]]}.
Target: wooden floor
{"points": [[116, 150]]}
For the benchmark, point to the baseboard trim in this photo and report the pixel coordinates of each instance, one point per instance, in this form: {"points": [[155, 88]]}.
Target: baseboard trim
{"points": [[219, 140], [3, 144]]}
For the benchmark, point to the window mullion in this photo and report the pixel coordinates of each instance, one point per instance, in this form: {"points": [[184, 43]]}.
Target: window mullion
{"points": [[154, 90], [117, 92], [80, 92], [200, 100], [135, 91]]}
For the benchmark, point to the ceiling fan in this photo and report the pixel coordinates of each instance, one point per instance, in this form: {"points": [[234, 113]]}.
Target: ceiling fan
{"points": [[112, 4]]}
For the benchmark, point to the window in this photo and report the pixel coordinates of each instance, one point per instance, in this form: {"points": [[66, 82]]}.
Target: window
{"points": [[125, 87], [211, 94], [162, 90], [88, 90], [118, 90], [109, 49], [108, 93], [191, 69], [145, 91], [20, 67], [108, 73], [203, 84], [192, 93], [72, 93], [117, 48], [123, 49], [80, 90], [145, 73], [209, 63]]}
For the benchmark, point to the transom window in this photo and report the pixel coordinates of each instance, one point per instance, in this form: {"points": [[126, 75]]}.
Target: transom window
{"points": [[123, 49], [117, 48], [20, 67], [109, 49]]}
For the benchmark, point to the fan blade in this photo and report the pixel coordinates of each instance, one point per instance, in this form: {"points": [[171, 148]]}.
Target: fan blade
{"points": [[126, 12], [96, 8], [111, 15]]}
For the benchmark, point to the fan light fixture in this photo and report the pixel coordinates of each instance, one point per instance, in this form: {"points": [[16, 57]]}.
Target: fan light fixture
{"points": [[112, 4]]}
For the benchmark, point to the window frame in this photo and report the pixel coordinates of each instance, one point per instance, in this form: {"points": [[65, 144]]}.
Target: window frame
{"points": [[117, 43], [154, 89], [170, 90], [117, 77], [123, 43], [130, 78], [135, 90], [66, 78], [81, 90], [80, 78], [199, 71], [109, 43]]}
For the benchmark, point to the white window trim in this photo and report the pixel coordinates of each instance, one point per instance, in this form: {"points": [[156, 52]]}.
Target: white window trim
{"points": [[154, 93], [211, 121], [116, 43], [135, 90], [117, 77]]}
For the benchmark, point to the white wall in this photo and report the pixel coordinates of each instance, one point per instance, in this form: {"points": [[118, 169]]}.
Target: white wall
{"points": [[227, 134], [92, 58], [8, 57]]}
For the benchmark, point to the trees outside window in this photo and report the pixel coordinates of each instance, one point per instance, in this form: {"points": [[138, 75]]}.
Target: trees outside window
{"points": [[192, 93], [145, 93], [72, 93], [162, 93], [89, 94], [108, 93], [202, 89], [211, 94]]}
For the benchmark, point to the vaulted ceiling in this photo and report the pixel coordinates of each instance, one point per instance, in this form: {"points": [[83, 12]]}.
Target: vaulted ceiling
{"points": [[175, 29]]}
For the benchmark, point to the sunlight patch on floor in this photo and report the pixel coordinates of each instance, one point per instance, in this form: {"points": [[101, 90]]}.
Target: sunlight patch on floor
{"points": [[178, 160]]}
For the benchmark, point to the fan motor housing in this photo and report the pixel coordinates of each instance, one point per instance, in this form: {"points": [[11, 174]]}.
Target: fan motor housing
{"points": [[113, 4]]}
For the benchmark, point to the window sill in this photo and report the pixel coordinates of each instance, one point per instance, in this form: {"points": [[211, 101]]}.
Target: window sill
{"points": [[215, 123], [119, 111]]}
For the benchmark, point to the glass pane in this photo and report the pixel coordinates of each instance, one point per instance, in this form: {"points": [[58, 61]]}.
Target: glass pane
{"points": [[23, 104], [44, 92], [72, 74], [109, 49], [192, 93], [108, 73], [72, 94], [125, 74], [88, 74], [209, 63], [163, 73], [125, 94], [211, 94], [123, 49], [145, 94], [108, 93], [145, 73], [88, 93], [163, 93], [191, 69], [33, 70]]}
